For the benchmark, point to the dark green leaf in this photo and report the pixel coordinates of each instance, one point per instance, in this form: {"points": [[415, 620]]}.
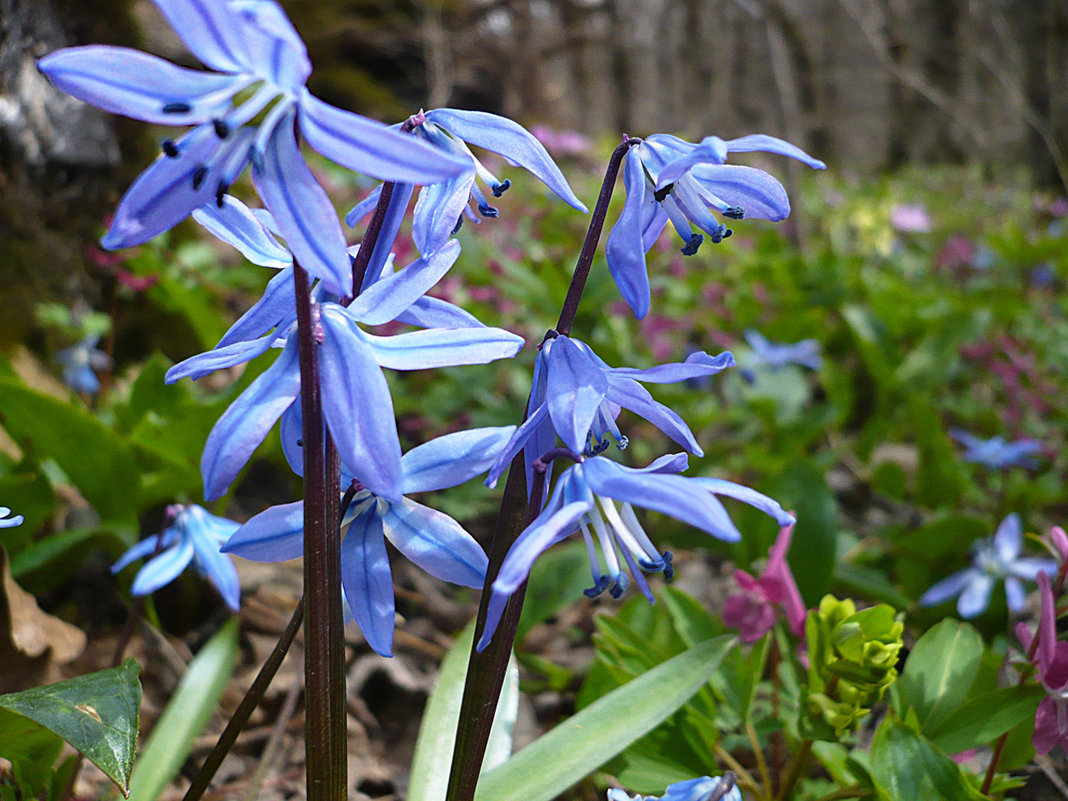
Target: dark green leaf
{"points": [[987, 716], [909, 768]]}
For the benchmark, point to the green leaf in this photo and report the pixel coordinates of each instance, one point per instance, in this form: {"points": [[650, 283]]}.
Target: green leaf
{"points": [[584, 742], [986, 716], [802, 488], [96, 713], [939, 672], [556, 580], [50, 428], [940, 478], [437, 731], [30, 747], [909, 768], [186, 714]]}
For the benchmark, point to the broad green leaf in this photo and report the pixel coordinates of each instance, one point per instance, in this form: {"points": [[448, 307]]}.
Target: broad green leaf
{"points": [[186, 714], [584, 742], [939, 672], [96, 713], [55, 557], [986, 716], [30, 747], [52, 429], [909, 768], [802, 488], [437, 732]]}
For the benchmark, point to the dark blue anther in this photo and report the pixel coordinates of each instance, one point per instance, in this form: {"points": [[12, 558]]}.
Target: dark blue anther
{"points": [[623, 442], [170, 150], [177, 108], [669, 571], [487, 211], [694, 244], [502, 187], [598, 588], [220, 193], [662, 193], [222, 129], [459, 225], [620, 587], [734, 212], [199, 174], [728, 233]]}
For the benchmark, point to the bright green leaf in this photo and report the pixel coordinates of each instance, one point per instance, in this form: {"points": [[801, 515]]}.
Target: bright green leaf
{"points": [[939, 671], [909, 768]]}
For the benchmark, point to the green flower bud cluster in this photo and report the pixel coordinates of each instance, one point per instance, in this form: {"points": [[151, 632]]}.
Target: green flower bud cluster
{"points": [[852, 657]]}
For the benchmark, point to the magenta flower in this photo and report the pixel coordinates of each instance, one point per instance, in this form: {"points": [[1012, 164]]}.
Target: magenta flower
{"points": [[753, 611], [1051, 662]]}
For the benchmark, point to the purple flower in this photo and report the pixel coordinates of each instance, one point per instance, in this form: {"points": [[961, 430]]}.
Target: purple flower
{"points": [[194, 535], [668, 178], [704, 788], [993, 559], [9, 522], [754, 610], [1051, 664], [585, 498], [431, 539], [996, 453], [260, 66]]}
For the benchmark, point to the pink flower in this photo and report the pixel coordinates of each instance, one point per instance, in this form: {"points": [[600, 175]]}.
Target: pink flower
{"points": [[754, 610], [1051, 662], [910, 218]]}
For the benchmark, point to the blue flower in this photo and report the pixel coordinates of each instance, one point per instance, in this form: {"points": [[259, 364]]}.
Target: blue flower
{"points": [[701, 789], [78, 363], [577, 396], [585, 497], [993, 559], [774, 355], [194, 535], [431, 539], [442, 206], [261, 67], [996, 453], [9, 522], [667, 178]]}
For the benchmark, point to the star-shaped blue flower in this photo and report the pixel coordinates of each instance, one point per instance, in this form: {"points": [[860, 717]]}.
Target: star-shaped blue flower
{"points": [[431, 539], [585, 497], [260, 66], [775, 354], [667, 178], [996, 453], [79, 362], [194, 535], [703, 788], [9, 522], [994, 559]]}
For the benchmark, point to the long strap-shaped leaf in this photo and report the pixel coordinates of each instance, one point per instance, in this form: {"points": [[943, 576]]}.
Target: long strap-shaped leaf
{"points": [[584, 742]]}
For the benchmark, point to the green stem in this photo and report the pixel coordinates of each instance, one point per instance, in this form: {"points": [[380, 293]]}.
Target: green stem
{"points": [[794, 773]]}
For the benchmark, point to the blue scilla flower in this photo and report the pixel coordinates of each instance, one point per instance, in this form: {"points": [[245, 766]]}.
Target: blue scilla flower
{"points": [[704, 788], [430, 539], [194, 535], [261, 66], [805, 353], [996, 453], [442, 206], [9, 522], [584, 499], [79, 362], [577, 397], [667, 178], [994, 559]]}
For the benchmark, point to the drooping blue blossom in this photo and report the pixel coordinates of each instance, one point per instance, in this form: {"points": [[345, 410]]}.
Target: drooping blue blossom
{"points": [[442, 206], [667, 178], [430, 539], [261, 66], [996, 453], [194, 535], [79, 362], [585, 497], [805, 353], [993, 559], [703, 788], [9, 522], [577, 397]]}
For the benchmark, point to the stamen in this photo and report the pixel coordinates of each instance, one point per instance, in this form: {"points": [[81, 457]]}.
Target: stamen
{"points": [[488, 211], [501, 188], [669, 571], [199, 174], [623, 442], [717, 236], [170, 149], [220, 193], [598, 588], [662, 193], [734, 212], [728, 233], [694, 244], [177, 108], [222, 129], [620, 587], [458, 226]]}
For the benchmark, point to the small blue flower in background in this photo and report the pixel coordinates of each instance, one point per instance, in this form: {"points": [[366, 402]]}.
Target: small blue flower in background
{"points": [[430, 539], [9, 522], [704, 788], [774, 354], [993, 559], [996, 453], [194, 535], [79, 361], [585, 497], [667, 178]]}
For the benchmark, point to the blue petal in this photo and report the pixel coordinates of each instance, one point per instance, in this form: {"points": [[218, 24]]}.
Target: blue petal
{"points": [[291, 431], [367, 579], [437, 210], [364, 207], [668, 463], [696, 364], [969, 441], [302, 211], [1030, 567], [243, 426], [274, 535], [625, 250], [1015, 595], [947, 588], [164, 569], [281, 57], [384, 300], [975, 598], [145, 547], [218, 567], [443, 347], [711, 150], [221, 357], [370, 147], [211, 30], [453, 458], [509, 139], [771, 144], [135, 84], [758, 193], [276, 309], [631, 395], [395, 211], [535, 422], [1008, 539], [358, 407], [435, 542], [236, 225], [428, 312], [575, 387], [758, 500]]}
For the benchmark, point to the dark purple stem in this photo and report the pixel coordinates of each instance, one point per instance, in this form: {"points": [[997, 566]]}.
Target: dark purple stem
{"points": [[370, 239]]}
